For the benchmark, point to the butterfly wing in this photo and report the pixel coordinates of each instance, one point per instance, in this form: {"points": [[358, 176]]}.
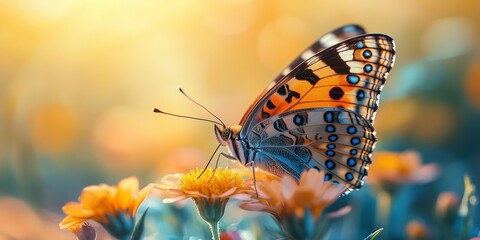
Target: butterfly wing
{"points": [[334, 139], [348, 75], [334, 37], [320, 114]]}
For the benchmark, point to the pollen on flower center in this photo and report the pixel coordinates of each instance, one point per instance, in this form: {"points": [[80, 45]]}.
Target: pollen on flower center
{"points": [[222, 181]]}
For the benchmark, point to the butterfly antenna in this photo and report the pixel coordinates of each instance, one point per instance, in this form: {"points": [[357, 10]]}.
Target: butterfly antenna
{"points": [[209, 161], [156, 110], [191, 99], [216, 167]]}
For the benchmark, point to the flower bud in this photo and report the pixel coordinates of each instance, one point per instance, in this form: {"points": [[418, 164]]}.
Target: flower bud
{"points": [[417, 231], [447, 206], [84, 231]]}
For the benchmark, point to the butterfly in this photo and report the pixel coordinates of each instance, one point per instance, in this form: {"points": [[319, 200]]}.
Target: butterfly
{"points": [[318, 113]]}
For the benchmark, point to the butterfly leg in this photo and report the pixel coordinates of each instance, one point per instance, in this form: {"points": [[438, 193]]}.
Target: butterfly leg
{"points": [[218, 159], [252, 164]]}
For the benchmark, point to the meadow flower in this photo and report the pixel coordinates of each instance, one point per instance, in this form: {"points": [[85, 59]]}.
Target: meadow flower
{"points": [[392, 169], [297, 206], [209, 191], [112, 206]]}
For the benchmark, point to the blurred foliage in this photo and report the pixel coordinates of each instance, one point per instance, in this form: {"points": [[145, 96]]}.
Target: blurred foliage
{"points": [[78, 80]]}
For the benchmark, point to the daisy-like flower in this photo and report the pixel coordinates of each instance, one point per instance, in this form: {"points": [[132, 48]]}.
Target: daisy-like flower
{"points": [[391, 169], [112, 206], [210, 192], [297, 206]]}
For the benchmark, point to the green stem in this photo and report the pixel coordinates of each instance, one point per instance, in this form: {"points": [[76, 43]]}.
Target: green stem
{"points": [[215, 230], [383, 208]]}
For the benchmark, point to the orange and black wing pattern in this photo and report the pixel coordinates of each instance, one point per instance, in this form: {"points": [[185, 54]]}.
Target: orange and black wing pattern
{"points": [[349, 75], [332, 38]]}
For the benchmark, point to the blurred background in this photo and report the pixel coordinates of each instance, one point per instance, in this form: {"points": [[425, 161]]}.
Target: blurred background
{"points": [[79, 79]]}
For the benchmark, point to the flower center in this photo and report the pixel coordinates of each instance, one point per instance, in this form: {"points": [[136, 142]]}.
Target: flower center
{"points": [[222, 181]]}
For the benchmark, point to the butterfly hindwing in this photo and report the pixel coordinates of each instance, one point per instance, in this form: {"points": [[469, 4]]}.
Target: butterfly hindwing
{"points": [[335, 140]]}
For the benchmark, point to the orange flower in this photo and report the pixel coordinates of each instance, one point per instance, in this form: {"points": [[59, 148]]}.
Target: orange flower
{"points": [[210, 192], [390, 169], [112, 206], [296, 205]]}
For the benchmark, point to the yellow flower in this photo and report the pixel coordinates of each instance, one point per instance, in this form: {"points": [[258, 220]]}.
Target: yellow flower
{"points": [[210, 192], [391, 169], [296, 205], [112, 206]]}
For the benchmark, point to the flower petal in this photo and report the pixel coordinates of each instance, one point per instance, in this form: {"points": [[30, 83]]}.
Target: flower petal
{"points": [[288, 186], [95, 196], [70, 221], [172, 179], [176, 199], [340, 212], [256, 206], [126, 190], [77, 210], [426, 173], [140, 197]]}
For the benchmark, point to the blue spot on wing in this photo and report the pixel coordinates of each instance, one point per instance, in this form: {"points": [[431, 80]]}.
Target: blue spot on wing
{"points": [[353, 152], [330, 153], [367, 54], [355, 141], [330, 128], [349, 176], [328, 177], [351, 162], [328, 117], [353, 79], [351, 130], [333, 138], [330, 164], [368, 68]]}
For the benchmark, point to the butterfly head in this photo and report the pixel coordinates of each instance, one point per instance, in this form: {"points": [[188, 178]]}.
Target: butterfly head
{"points": [[226, 134]]}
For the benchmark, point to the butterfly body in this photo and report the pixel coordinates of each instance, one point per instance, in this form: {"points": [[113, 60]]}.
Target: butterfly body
{"points": [[319, 112]]}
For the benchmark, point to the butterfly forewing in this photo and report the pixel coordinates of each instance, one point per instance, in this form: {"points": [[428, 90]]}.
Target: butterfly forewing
{"points": [[350, 74], [336, 36], [332, 38]]}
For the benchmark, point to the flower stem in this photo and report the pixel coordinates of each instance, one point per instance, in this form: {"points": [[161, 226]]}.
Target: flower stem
{"points": [[215, 230], [384, 206]]}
